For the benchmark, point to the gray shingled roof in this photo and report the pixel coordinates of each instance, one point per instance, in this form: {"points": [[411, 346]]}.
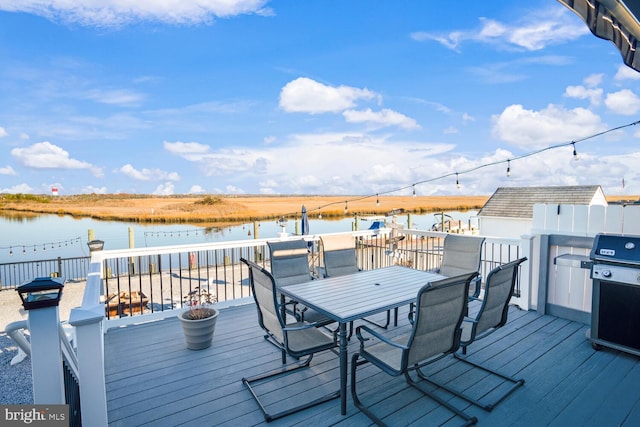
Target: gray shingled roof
{"points": [[517, 202]]}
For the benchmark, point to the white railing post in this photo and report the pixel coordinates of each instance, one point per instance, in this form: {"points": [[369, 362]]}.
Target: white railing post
{"points": [[46, 358], [88, 321], [526, 282], [41, 298]]}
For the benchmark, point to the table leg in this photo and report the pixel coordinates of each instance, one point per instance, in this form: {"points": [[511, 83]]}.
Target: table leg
{"points": [[342, 334]]}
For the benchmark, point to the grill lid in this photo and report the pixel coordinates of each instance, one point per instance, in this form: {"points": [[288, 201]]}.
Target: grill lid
{"points": [[616, 248]]}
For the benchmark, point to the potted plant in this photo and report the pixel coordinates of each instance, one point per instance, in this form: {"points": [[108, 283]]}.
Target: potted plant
{"points": [[199, 319]]}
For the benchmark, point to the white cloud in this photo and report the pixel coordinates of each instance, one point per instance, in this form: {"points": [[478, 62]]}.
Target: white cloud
{"points": [[626, 73], [534, 31], [382, 118], [20, 188], [468, 118], [588, 91], [221, 162], [24, 136], [166, 189], [3, 132], [450, 130], [593, 80], [115, 96], [552, 125], [232, 189], [90, 189], [623, 102], [324, 163], [7, 170], [308, 96], [196, 189], [114, 13], [192, 151], [594, 95], [145, 174], [44, 155]]}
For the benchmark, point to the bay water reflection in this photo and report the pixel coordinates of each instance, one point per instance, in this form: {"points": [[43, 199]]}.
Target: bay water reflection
{"points": [[39, 237]]}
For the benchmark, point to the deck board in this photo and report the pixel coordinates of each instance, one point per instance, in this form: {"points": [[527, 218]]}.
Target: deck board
{"points": [[154, 380]]}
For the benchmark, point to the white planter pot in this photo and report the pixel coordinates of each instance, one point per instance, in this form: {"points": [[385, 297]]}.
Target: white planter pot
{"points": [[199, 333]]}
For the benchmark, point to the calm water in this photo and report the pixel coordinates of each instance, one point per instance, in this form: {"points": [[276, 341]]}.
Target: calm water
{"points": [[52, 236]]}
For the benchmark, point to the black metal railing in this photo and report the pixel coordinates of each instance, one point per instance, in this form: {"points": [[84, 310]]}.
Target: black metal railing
{"points": [[13, 274], [72, 395], [138, 283]]}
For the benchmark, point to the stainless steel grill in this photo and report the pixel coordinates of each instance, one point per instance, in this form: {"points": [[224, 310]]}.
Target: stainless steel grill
{"points": [[615, 312]]}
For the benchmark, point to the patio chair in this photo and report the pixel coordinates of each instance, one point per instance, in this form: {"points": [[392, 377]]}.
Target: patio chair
{"points": [[435, 334], [462, 254], [339, 253], [491, 316], [290, 266], [298, 340]]}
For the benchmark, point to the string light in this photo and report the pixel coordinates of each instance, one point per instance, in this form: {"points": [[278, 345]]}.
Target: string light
{"points": [[346, 207], [164, 233], [485, 165], [377, 200], [44, 246]]}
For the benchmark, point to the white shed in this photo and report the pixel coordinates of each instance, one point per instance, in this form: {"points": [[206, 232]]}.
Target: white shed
{"points": [[509, 211]]}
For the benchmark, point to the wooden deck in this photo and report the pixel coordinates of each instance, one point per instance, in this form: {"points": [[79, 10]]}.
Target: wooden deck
{"points": [[153, 380]]}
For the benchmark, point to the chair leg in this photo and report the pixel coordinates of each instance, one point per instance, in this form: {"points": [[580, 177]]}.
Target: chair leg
{"points": [[271, 340], [281, 371], [386, 325], [354, 394], [469, 420], [358, 403], [486, 406]]}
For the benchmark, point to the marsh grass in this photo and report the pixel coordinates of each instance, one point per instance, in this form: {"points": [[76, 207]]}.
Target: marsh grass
{"points": [[216, 209]]}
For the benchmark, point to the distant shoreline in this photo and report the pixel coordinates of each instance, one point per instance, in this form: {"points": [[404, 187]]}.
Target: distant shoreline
{"points": [[231, 209], [216, 209]]}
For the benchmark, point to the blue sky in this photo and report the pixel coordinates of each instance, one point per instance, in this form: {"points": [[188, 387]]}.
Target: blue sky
{"points": [[341, 97]]}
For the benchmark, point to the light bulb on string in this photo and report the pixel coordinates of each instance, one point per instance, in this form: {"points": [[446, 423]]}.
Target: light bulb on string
{"points": [[414, 190], [575, 153], [457, 181], [508, 167], [24, 251], [10, 251], [346, 207], [377, 200]]}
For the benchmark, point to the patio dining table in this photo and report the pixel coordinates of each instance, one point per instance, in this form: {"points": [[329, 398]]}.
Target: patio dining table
{"points": [[358, 295]]}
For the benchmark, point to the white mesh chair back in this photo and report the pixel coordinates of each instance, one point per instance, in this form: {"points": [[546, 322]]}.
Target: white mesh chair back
{"points": [[499, 289], [339, 253], [461, 254], [290, 262], [439, 313], [263, 287]]}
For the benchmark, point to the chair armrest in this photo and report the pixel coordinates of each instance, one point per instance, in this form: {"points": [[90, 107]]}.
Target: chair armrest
{"points": [[374, 334], [299, 326], [477, 282]]}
